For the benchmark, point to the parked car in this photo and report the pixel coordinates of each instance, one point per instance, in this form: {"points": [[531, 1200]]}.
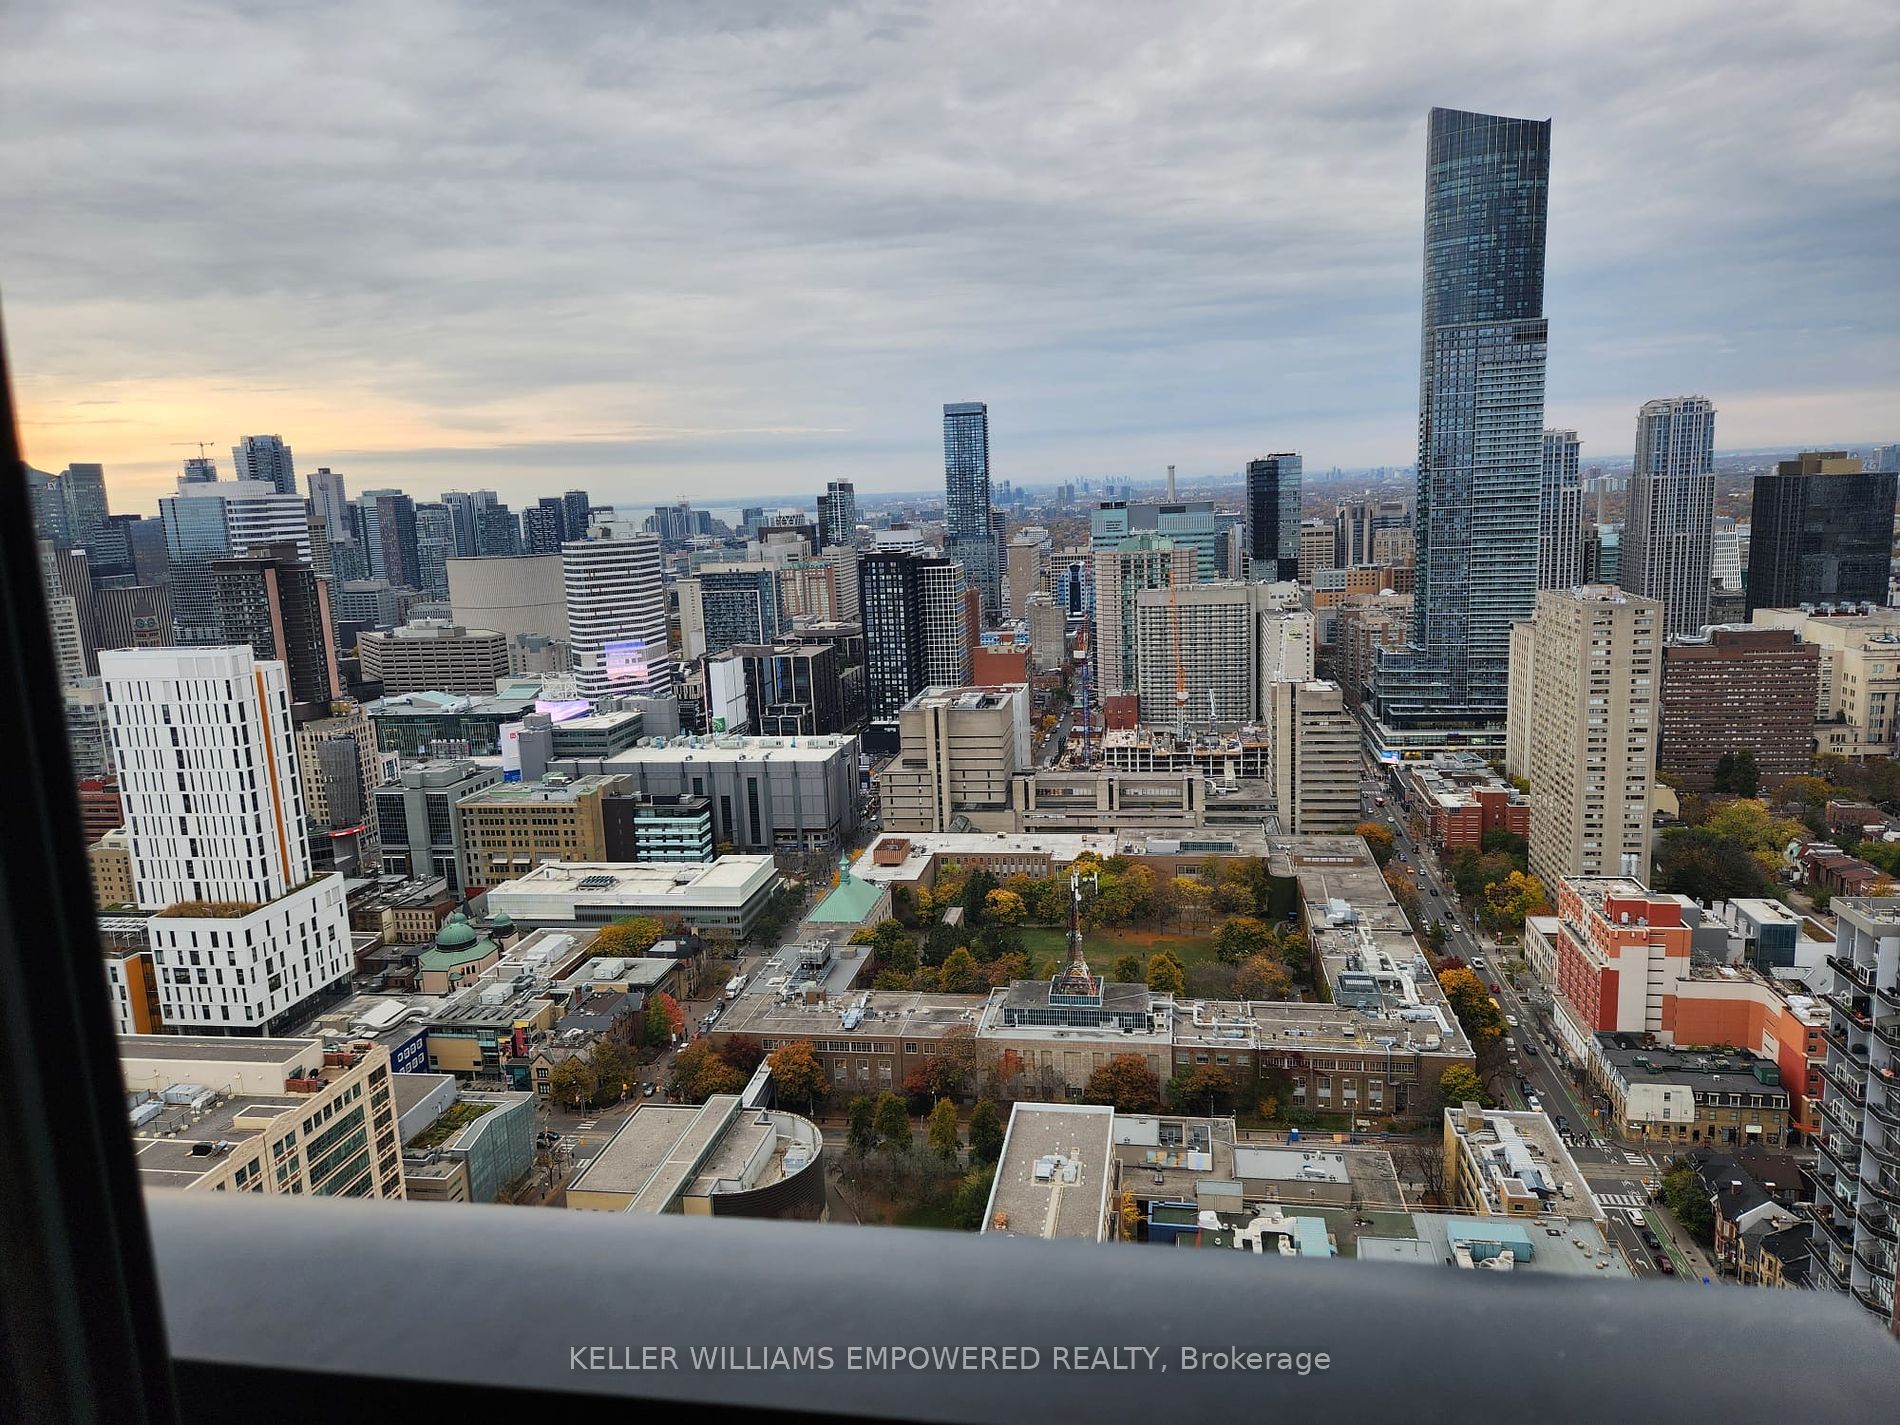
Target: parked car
{"points": [[650, 1090]]}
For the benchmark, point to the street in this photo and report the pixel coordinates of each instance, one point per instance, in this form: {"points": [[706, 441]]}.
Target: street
{"points": [[1615, 1172]]}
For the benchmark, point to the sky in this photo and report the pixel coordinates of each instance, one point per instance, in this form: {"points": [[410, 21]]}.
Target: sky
{"points": [[731, 249]]}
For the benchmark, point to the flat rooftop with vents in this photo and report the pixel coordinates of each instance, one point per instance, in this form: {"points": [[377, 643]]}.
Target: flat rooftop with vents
{"points": [[1056, 1174]]}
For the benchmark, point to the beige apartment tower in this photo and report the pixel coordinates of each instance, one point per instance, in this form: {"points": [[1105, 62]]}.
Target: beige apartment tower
{"points": [[1316, 761], [957, 751], [1582, 725]]}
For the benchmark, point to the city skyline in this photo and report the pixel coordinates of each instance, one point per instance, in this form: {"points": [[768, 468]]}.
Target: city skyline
{"points": [[1250, 289]]}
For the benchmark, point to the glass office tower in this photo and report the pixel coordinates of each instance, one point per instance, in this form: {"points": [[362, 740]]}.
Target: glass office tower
{"points": [[1822, 533], [1273, 517], [1481, 418], [970, 533]]}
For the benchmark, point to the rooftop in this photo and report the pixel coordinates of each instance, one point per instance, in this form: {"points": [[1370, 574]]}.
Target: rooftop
{"points": [[1718, 1071], [553, 788], [216, 1046], [969, 699], [181, 1145], [606, 881], [1054, 1175]]}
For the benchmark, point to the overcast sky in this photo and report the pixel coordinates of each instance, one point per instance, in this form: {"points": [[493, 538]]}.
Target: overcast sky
{"points": [[724, 249]]}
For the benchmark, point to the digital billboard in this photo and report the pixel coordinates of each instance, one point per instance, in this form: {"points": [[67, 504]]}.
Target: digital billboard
{"points": [[625, 660]]}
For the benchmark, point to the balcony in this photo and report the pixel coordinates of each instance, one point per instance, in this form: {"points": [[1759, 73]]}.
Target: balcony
{"points": [[1844, 1159], [1889, 995], [1862, 975], [1883, 1185], [1841, 1112], [1836, 1074], [1878, 1222], [1841, 1232], [1885, 1148], [1887, 1031], [1868, 1298], [1877, 1263], [1885, 1111], [1856, 1008], [1839, 1194], [1825, 1261]]}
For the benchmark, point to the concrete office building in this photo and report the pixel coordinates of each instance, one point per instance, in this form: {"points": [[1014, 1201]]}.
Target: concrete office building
{"points": [[616, 614], [244, 937], [1357, 525], [791, 689], [1184, 522], [1821, 533], [434, 655], [506, 829], [1584, 714], [716, 1159], [1560, 513], [1315, 757], [1023, 563], [521, 597], [415, 818], [1223, 645], [721, 899], [821, 588], [1048, 632], [290, 1116], [1668, 541], [958, 750], [1732, 689], [1317, 550], [341, 768], [1122, 571], [768, 793]]}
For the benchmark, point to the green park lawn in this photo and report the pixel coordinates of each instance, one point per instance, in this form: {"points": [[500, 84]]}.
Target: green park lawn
{"points": [[1047, 947]]}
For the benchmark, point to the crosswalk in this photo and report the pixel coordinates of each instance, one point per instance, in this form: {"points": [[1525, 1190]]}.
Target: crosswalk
{"points": [[1630, 1201], [1637, 1160]]}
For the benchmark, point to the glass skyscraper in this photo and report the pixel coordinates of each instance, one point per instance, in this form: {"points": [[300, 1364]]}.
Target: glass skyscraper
{"points": [[1481, 418], [970, 532], [1560, 513], [1822, 533], [1668, 541], [1273, 517]]}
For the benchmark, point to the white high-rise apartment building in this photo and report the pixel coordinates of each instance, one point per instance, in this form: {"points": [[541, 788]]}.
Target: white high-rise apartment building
{"points": [[1668, 540], [256, 512], [1223, 645], [1138, 562], [214, 807], [946, 624], [1560, 513], [1584, 715], [616, 614]]}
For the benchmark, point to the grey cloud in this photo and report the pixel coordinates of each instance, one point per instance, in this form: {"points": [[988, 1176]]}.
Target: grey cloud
{"points": [[1133, 228]]}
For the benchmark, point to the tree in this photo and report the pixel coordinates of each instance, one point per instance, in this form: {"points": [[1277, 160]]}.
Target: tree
{"points": [[1500, 842], [1460, 1084], [1006, 970], [1507, 902], [615, 1068], [941, 1131], [986, 1132], [1127, 1082], [1686, 1197], [1749, 823], [1698, 861], [1190, 900], [699, 1072], [1482, 1020], [860, 1134], [1736, 773], [634, 936], [959, 975], [1165, 975], [1404, 890], [1128, 970], [797, 1076], [975, 896], [1378, 838], [972, 1197], [1197, 1089], [1128, 1214], [1424, 1164], [1263, 977], [1210, 979], [892, 1125], [1005, 906], [1239, 938], [1232, 898], [665, 1018], [574, 1083]]}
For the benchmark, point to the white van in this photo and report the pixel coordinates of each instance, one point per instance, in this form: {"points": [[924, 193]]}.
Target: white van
{"points": [[734, 986]]}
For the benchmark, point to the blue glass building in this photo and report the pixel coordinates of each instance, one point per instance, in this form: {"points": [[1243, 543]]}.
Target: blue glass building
{"points": [[970, 532], [1482, 356]]}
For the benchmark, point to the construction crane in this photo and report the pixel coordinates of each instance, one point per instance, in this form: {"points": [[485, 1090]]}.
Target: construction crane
{"points": [[203, 445]]}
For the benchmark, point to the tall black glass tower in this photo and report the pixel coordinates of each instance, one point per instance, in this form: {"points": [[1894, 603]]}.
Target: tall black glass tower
{"points": [[1822, 533], [1480, 419]]}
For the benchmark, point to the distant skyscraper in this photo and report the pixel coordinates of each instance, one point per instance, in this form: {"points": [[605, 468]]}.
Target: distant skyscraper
{"points": [[200, 470], [435, 546], [577, 506], [1481, 417], [1273, 517], [969, 530], [616, 615], [266, 457], [740, 603], [1885, 460], [673, 523], [1356, 527], [1668, 539], [1560, 514], [388, 522], [544, 527], [49, 506], [1822, 533], [195, 534], [496, 529], [83, 489], [838, 514], [329, 499], [464, 520]]}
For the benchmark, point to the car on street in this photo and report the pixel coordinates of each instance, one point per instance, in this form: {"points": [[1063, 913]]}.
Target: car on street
{"points": [[1434, 890], [1535, 1103], [1651, 1241], [1477, 962], [1530, 1048], [1664, 1265], [1493, 987], [649, 1091]]}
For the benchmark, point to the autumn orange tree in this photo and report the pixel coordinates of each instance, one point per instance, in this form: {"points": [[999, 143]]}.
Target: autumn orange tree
{"points": [[797, 1076], [1126, 1082], [633, 936], [699, 1072]]}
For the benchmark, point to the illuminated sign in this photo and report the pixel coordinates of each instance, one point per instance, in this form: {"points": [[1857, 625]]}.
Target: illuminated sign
{"points": [[563, 709], [625, 660]]}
